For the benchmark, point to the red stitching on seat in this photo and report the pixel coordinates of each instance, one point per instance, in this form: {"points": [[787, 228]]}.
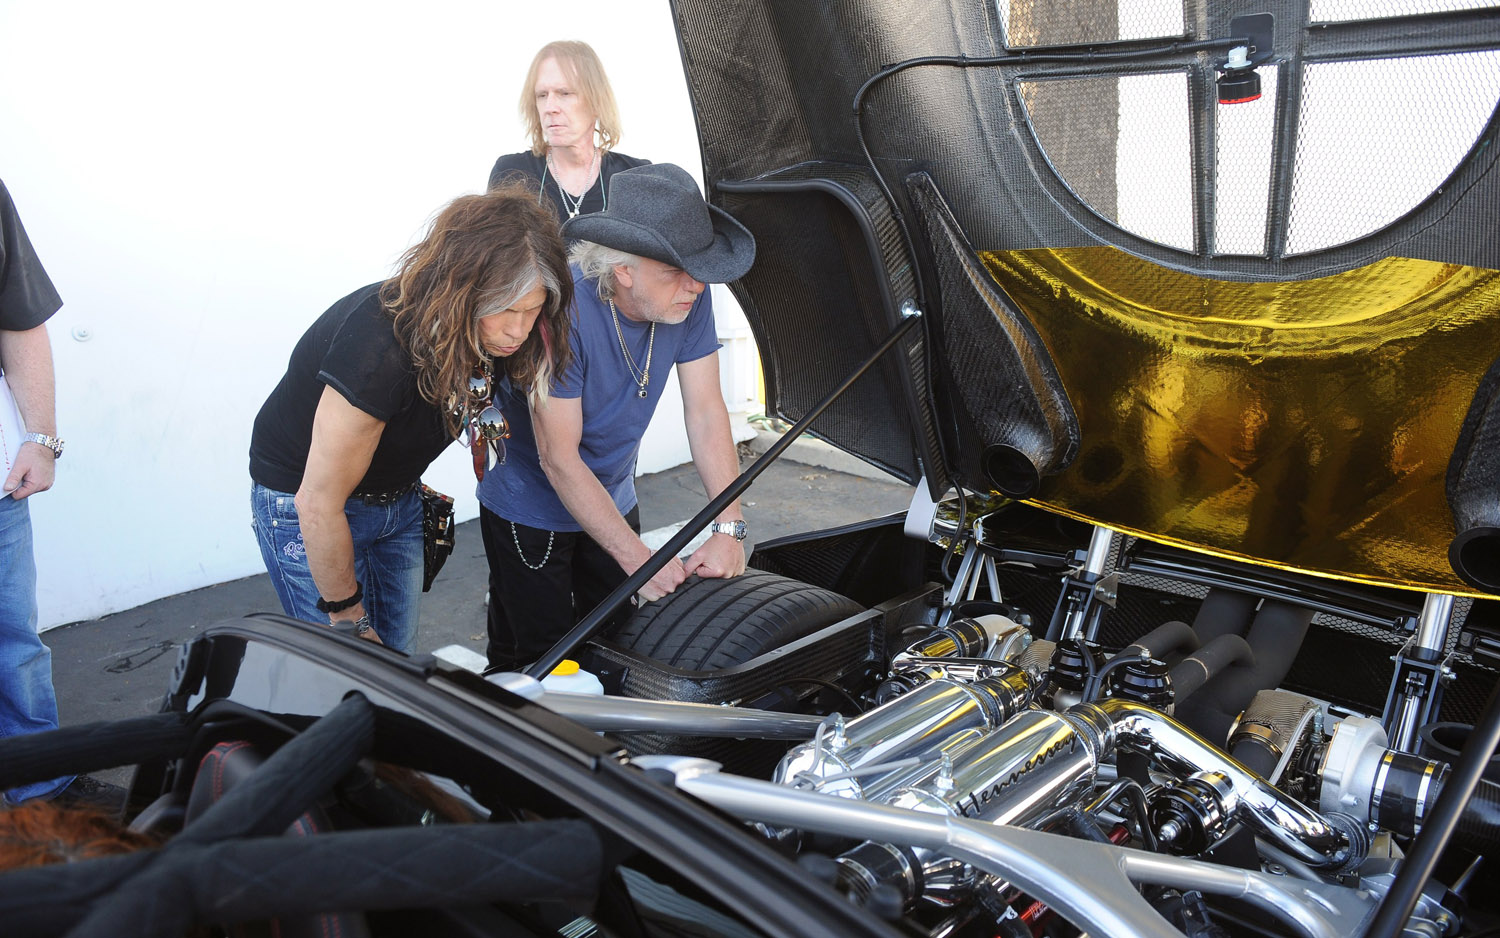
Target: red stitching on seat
{"points": [[218, 754], [304, 825]]}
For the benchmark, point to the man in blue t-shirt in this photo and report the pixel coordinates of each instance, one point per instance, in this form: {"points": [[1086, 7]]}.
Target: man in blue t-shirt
{"points": [[559, 518]]}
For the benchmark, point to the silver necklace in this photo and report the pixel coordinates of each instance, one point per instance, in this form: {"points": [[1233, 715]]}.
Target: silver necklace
{"points": [[642, 376], [572, 204]]}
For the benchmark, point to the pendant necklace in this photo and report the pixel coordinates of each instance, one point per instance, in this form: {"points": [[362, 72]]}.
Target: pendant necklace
{"points": [[572, 204], [641, 376]]}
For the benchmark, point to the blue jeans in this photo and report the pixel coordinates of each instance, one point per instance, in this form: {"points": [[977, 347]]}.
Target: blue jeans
{"points": [[387, 560], [27, 701]]}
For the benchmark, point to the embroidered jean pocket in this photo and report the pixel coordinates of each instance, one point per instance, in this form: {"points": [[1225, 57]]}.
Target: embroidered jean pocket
{"points": [[286, 530]]}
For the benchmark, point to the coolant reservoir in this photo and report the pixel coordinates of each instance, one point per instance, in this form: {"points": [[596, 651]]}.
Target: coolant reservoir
{"points": [[570, 678]]}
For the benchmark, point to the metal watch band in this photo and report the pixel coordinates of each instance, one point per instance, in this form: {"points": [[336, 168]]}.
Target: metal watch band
{"points": [[355, 627], [51, 442], [735, 529]]}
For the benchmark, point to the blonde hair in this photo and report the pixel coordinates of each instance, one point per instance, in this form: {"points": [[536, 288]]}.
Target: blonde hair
{"points": [[582, 66]]}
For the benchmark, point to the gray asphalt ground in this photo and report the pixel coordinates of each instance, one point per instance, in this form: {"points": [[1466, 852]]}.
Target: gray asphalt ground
{"points": [[119, 665]]}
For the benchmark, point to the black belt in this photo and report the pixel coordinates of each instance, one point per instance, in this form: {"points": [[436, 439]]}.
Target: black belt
{"points": [[384, 498]]}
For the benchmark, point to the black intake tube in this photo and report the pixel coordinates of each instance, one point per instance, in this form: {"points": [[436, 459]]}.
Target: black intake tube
{"points": [[1473, 488], [1254, 754], [1223, 612], [1402, 806], [1192, 672], [1165, 641], [1275, 637]]}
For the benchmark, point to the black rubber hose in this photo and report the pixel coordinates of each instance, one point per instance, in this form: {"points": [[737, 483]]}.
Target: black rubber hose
{"points": [[1471, 483], [1223, 612], [1255, 755], [1428, 846], [1096, 684], [1166, 640], [1192, 672], [1132, 792], [1275, 637], [1081, 825]]}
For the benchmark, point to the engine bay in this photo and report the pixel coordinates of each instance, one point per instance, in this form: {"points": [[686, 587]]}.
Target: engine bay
{"points": [[1236, 801]]}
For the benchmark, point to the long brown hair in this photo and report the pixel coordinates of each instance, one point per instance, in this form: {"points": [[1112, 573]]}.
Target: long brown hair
{"points": [[581, 64], [479, 251], [39, 833]]}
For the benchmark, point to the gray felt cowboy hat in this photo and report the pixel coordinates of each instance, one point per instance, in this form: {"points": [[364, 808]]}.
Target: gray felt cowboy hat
{"points": [[656, 211]]}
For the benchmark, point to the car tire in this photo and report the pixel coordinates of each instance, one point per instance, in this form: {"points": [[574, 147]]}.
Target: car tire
{"points": [[711, 624]]}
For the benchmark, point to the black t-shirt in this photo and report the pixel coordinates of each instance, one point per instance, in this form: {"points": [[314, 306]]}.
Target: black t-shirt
{"points": [[353, 349], [536, 167], [27, 297]]}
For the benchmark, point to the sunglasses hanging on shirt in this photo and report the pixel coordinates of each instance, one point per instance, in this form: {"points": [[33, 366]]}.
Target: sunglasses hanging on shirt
{"points": [[485, 425]]}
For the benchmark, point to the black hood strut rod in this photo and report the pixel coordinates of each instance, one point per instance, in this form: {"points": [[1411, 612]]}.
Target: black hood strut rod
{"points": [[595, 620]]}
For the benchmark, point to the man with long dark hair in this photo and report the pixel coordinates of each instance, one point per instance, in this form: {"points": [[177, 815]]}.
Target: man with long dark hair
{"points": [[379, 386]]}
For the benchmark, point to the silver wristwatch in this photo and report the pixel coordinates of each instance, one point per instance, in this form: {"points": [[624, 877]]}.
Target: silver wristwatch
{"points": [[51, 442], [735, 529]]}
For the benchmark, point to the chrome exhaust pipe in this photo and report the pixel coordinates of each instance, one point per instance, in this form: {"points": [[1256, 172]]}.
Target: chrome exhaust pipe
{"points": [[1219, 781]]}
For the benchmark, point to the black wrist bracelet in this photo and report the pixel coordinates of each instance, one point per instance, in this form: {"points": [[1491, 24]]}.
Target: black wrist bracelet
{"points": [[326, 606]]}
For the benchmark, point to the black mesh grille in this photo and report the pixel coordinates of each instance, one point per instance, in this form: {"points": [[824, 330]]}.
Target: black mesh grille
{"points": [[1363, 651], [774, 83], [1346, 183], [1465, 697], [1155, 205], [866, 561], [1245, 151], [1334, 10], [1088, 21]]}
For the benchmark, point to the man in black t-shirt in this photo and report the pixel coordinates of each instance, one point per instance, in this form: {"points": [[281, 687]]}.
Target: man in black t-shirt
{"points": [[378, 386], [28, 448]]}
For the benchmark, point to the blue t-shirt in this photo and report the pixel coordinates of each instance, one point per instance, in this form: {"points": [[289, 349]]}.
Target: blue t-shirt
{"points": [[614, 416]]}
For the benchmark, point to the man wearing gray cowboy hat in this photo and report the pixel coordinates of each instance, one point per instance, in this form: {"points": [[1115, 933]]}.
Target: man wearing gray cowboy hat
{"points": [[559, 518]]}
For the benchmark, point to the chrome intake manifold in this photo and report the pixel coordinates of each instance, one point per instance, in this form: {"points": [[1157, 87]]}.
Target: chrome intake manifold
{"points": [[982, 750]]}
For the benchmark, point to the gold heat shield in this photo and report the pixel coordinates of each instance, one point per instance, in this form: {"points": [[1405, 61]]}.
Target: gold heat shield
{"points": [[1303, 425]]}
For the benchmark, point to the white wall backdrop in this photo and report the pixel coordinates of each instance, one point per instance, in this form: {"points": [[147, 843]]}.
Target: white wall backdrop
{"points": [[203, 180]]}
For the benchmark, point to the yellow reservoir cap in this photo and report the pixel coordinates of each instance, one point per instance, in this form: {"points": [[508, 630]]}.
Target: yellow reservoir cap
{"points": [[566, 666]]}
